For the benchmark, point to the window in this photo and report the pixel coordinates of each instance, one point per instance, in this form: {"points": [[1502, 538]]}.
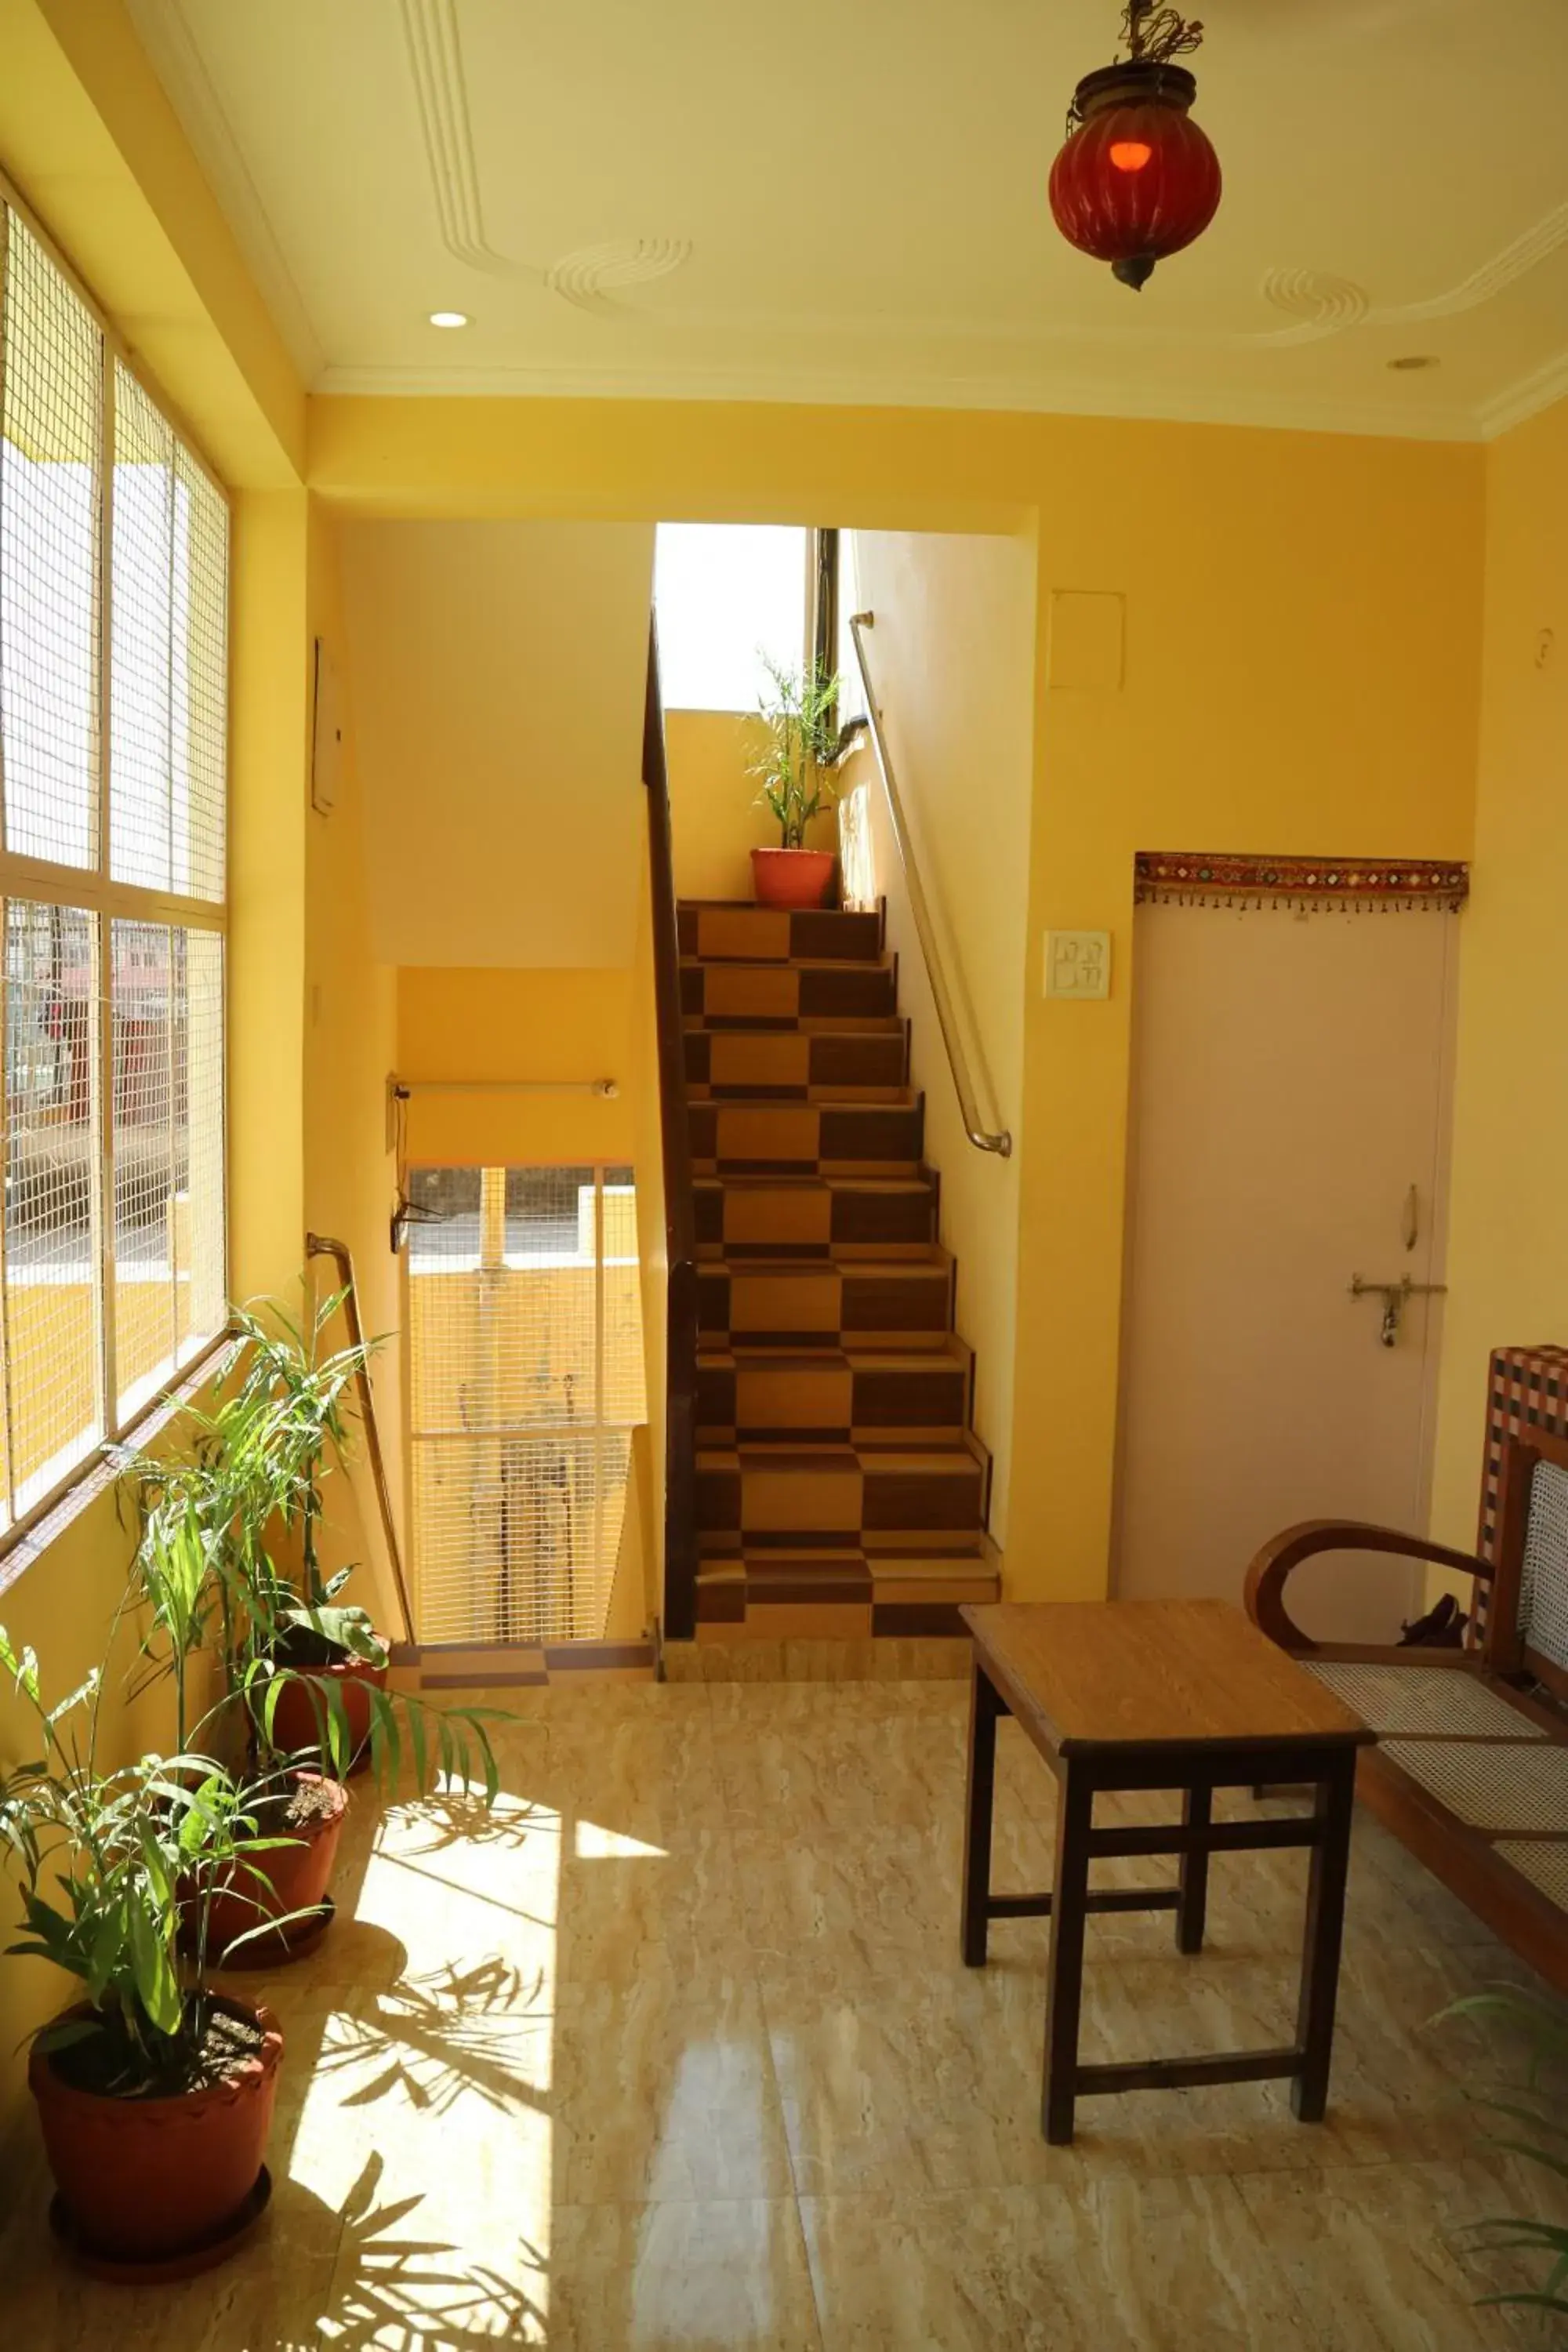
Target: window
{"points": [[524, 1324], [113, 658], [726, 595], [851, 692]]}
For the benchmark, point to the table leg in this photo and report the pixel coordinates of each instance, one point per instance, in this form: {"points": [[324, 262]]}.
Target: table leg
{"points": [[1333, 1806], [1075, 1813], [1192, 1910], [985, 1706]]}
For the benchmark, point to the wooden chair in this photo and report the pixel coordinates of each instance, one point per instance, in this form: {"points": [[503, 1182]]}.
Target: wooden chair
{"points": [[1471, 1769]]}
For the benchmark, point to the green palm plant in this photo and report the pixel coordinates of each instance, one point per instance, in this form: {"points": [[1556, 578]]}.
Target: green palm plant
{"points": [[119, 1870], [213, 1519], [800, 714], [1535, 2129]]}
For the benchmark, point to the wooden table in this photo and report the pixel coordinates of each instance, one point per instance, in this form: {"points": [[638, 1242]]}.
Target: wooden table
{"points": [[1159, 1695]]}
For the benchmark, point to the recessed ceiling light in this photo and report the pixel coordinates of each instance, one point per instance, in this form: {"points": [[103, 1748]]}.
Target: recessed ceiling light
{"points": [[449, 318], [1415, 360]]}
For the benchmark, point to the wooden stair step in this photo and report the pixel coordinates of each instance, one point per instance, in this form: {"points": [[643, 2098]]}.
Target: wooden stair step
{"points": [[900, 1302], [833, 1393], [812, 989], [806, 1064], [851, 1025], [783, 1494], [737, 930], [757, 1136], [806, 1216], [745, 1594]]}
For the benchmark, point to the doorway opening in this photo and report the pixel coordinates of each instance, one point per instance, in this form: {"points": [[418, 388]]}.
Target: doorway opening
{"points": [[525, 1360]]}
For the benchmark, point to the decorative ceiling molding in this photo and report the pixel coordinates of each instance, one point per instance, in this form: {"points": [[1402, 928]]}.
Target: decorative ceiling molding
{"points": [[584, 277], [164, 32], [1539, 390], [1535, 246], [435, 62], [1069, 396], [1321, 303], [1326, 305]]}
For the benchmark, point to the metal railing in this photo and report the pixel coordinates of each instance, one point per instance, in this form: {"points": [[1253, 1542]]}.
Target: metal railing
{"points": [[983, 1137]]}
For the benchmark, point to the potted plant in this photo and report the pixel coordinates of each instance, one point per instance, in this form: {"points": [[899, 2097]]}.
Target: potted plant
{"points": [[154, 2090], [289, 1416], [290, 1711], [793, 772]]}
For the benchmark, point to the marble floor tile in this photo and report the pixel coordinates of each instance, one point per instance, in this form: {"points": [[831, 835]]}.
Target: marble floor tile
{"points": [[727, 2278], [675, 2048], [1377, 2260], [665, 2090], [1161, 2265]]}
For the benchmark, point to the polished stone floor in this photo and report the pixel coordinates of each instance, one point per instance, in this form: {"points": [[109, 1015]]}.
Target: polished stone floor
{"points": [[677, 2050]]}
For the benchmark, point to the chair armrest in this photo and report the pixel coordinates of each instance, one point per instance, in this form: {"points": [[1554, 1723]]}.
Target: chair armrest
{"points": [[1265, 1590]]}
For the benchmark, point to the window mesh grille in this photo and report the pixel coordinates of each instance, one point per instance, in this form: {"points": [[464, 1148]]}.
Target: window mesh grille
{"points": [[143, 1003], [53, 1414], [167, 684], [111, 1242], [49, 534], [525, 1344], [201, 1256]]}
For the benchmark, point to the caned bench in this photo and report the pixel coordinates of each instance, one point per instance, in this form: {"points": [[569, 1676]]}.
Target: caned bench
{"points": [[1470, 1769]]}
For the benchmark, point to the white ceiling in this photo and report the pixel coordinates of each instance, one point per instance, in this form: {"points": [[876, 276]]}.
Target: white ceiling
{"points": [[845, 200], [495, 680]]}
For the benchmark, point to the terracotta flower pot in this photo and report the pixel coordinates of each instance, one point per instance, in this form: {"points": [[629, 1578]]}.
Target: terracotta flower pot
{"points": [[299, 1876], [145, 2178], [792, 877], [298, 1724]]}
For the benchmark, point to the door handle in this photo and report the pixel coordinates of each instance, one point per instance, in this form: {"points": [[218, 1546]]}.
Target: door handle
{"points": [[1396, 1297], [1412, 1217]]}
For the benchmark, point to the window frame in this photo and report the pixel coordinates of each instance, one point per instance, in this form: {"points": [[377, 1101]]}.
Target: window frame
{"points": [[808, 603], [93, 890], [601, 1425]]}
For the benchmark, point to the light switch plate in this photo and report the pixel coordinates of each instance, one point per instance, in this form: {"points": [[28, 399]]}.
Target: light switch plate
{"points": [[1078, 964]]}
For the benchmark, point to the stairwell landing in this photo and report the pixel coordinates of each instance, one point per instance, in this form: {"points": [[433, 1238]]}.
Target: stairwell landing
{"points": [[841, 1491]]}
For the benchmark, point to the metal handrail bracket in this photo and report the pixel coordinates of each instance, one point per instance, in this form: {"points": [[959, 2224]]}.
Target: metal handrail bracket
{"points": [[983, 1137]]}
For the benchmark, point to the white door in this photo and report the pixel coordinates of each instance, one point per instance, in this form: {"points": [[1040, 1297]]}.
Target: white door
{"points": [[1290, 1132]]}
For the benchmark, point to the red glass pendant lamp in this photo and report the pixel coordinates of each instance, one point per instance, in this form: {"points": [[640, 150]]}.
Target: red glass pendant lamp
{"points": [[1137, 179]]}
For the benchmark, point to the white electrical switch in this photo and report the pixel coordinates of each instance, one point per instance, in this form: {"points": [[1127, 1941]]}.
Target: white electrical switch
{"points": [[1077, 964]]}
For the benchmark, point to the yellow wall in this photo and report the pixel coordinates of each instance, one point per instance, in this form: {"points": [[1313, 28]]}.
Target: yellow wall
{"points": [[524, 1025], [499, 670], [952, 654], [349, 1046], [1300, 672], [1508, 1248], [715, 816]]}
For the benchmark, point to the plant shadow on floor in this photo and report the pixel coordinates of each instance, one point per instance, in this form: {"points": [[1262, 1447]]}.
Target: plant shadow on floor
{"points": [[395, 2287], [438, 2036]]}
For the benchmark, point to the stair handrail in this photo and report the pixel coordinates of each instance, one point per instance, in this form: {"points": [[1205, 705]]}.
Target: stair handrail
{"points": [[984, 1139], [679, 1212]]}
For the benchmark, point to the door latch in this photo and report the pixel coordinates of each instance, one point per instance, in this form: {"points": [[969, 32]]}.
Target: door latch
{"points": [[1396, 1297]]}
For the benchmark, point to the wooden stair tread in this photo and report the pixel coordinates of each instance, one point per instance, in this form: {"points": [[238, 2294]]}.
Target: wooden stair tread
{"points": [[811, 1181], [885, 960], [844, 1258]]}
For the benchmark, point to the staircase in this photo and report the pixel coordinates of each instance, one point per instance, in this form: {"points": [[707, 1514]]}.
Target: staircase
{"points": [[840, 1490]]}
